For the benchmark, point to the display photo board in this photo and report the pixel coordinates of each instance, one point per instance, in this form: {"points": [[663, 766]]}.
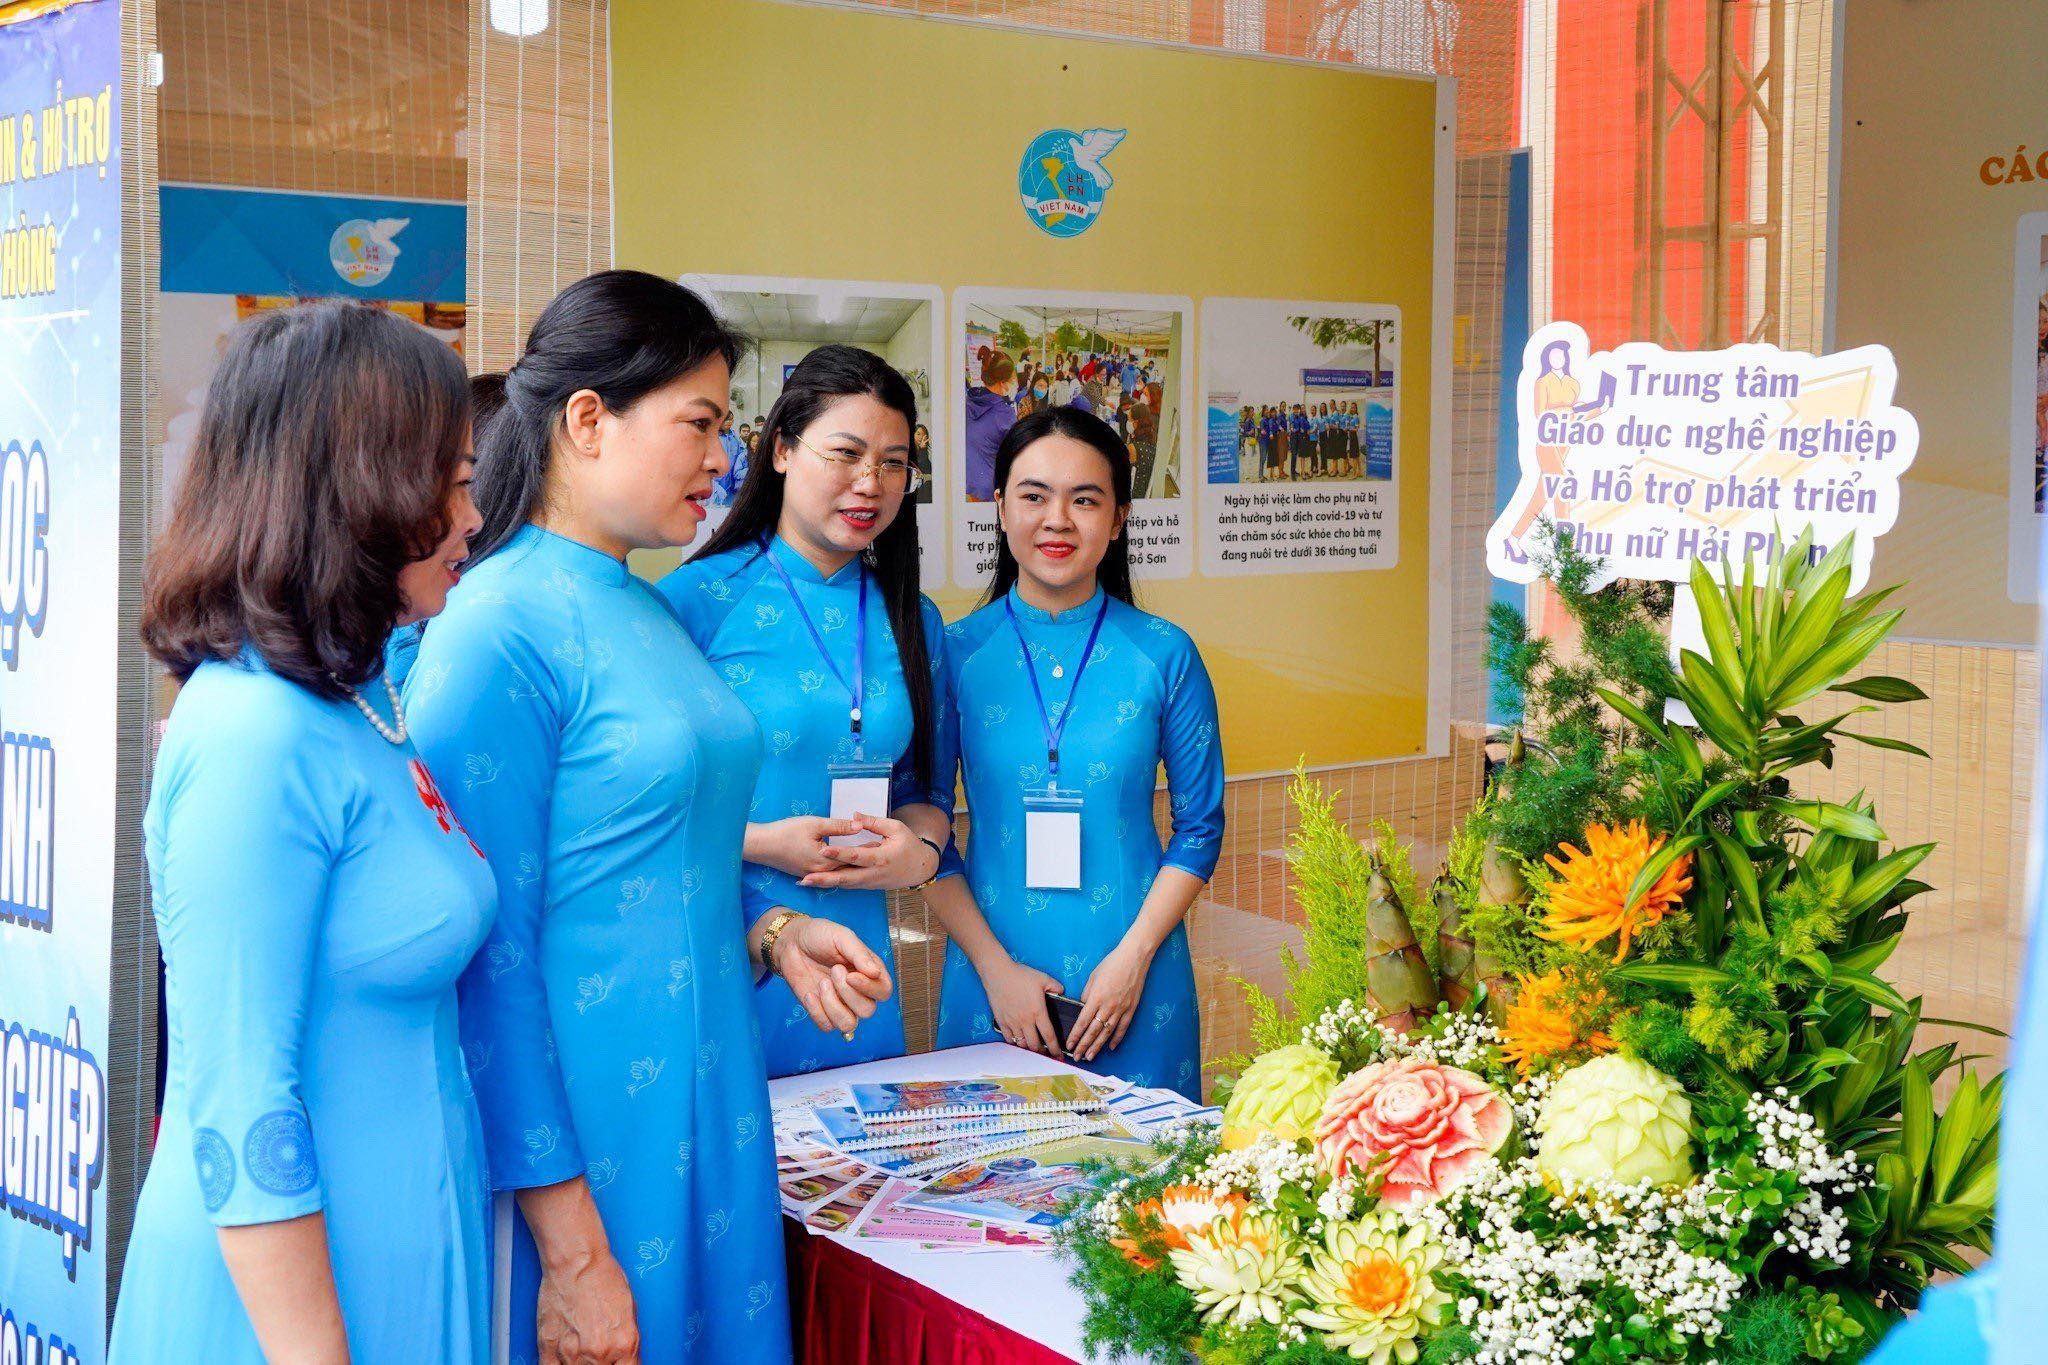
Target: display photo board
{"points": [[1102, 228]]}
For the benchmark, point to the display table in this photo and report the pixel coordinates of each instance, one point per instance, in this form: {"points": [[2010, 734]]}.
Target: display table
{"points": [[867, 1303]]}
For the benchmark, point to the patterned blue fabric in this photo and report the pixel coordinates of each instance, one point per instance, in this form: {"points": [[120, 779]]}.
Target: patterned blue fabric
{"points": [[739, 612], [315, 905], [608, 1020], [1145, 699]]}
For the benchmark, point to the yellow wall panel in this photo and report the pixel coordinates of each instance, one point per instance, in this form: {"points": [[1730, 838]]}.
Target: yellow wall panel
{"points": [[753, 137]]}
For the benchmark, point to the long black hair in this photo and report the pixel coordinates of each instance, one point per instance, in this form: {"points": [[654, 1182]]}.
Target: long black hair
{"points": [[1114, 573], [821, 379], [619, 333]]}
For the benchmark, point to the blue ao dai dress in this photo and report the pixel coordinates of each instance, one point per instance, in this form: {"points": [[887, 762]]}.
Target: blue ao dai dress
{"points": [[315, 901], [1144, 700], [740, 613], [609, 1018]]}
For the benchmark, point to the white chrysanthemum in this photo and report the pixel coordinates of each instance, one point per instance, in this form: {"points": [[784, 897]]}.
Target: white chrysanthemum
{"points": [[1242, 1269], [1371, 1288]]}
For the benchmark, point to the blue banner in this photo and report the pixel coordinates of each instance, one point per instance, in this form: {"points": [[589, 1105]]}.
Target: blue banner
{"points": [[265, 242], [1379, 442], [1514, 337], [61, 164], [1340, 379], [1223, 432]]}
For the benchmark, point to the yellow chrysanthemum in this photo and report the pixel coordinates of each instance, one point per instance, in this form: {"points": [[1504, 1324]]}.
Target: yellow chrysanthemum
{"points": [[1542, 1025], [1588, 901]]}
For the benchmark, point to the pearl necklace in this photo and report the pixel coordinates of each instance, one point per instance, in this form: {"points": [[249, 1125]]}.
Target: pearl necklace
{"points": [[392, 736]]}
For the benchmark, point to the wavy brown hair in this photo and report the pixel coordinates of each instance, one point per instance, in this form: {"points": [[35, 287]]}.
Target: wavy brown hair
{"points": [[326, 452]]}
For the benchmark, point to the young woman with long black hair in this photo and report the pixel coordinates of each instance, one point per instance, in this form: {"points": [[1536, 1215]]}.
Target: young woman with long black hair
{"points": [[1069, 700]]}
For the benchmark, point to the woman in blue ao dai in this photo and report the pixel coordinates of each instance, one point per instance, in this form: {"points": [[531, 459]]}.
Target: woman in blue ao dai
{"points": [[1070, 699], [806, 604], [317, 1191], [604, 767]]}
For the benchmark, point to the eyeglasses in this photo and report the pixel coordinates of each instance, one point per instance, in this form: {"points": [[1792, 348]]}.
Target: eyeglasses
{"points": [[890, 473]]}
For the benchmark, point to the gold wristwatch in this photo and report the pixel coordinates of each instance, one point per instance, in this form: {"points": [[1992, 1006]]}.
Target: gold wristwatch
{"points": [[783, 919]]}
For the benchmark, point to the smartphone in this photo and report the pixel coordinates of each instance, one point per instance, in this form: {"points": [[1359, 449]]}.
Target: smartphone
{"points": [[1065, 1013]]}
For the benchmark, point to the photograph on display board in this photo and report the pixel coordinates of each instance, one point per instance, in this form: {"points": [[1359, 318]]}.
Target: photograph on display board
{"points": [[1319, 410], [1296, 397], [785, 324], [1300, 423], [1122, 364], [784, 320]]}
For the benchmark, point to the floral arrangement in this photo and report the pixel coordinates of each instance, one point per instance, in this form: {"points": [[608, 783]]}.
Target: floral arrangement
{"points": [[1639, 1092]]}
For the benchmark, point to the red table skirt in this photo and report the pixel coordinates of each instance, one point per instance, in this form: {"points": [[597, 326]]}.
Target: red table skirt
{"points": [[850, 1310]]}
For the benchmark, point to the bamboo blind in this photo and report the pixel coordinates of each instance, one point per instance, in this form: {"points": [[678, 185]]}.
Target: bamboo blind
{"points": [[332, 96], [539, 170], [133, 961]]}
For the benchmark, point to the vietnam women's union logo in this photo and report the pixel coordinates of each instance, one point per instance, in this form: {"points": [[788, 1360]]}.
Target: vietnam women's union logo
{"points": [[1063, 181], [363, 251]]}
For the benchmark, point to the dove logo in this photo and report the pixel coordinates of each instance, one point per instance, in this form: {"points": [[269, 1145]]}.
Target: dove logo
{"points": [[364, 250], [1062, 180]]}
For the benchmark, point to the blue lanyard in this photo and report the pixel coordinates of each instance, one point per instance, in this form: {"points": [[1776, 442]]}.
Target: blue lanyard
{"points": [[1052, 731], [860, 636]]}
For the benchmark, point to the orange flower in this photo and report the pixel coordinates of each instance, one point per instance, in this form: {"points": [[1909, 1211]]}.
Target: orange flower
{"points": [[1178, 1211], [1129, 1247], [1541, 1025], [1377, 1284], [1588, 901]]}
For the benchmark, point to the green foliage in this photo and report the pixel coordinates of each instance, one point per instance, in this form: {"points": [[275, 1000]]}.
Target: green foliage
{"points": [[1329, 334], [1587, 769], [1465, 854], [1011, 337], [1513, 657], [1507, 931], [1656, 1032], [1451, 1345], [1796, 903], [1331, 869], [1765, 1329]]}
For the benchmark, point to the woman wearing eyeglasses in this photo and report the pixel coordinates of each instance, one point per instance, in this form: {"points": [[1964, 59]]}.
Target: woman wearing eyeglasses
{"points": [[806, 603]]}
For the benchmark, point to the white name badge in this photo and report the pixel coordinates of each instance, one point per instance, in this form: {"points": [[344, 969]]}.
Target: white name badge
{"points": [[858, 789], [1052, 840]]}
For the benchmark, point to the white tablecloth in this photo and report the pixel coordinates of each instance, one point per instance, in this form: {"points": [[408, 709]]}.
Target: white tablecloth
{"points": [[1025, 1291]]}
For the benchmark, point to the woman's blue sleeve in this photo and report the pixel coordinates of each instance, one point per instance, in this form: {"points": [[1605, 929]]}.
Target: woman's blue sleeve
{"points": [[486, 713], [1191, 746], [251, 832]]}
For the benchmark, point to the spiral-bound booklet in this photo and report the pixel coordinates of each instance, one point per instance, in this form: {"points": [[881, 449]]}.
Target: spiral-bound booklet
{"points": [[900, 1102], [847, 1131]]}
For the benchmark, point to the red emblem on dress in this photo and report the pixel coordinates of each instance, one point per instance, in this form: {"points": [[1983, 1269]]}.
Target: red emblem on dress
{"points": [[437, 805]]}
